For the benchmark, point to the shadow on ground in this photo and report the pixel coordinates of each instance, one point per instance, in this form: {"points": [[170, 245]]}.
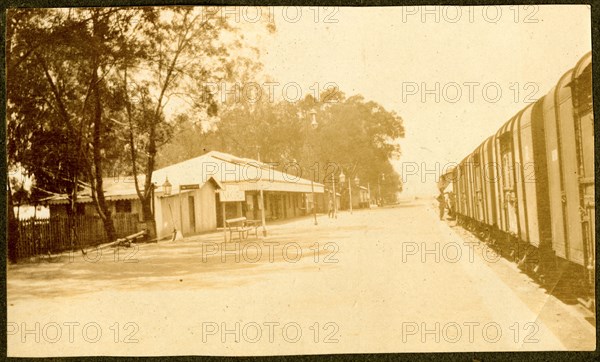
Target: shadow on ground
{"points": [[197, 262]]}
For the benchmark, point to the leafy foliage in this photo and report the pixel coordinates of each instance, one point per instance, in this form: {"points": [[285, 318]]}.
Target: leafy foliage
{"points": [[353, 135], [89, 91]]}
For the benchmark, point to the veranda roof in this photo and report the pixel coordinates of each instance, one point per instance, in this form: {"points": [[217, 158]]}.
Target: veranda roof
{"points": [[247, 174]]}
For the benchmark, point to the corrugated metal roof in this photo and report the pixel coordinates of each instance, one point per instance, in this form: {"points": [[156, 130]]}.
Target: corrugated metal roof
{"points": [[226, 169], [114, 189], [249, 174]]}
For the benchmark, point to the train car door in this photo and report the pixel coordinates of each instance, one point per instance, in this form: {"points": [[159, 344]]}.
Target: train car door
{"points": [[471, 200], [497, 184], [478, 202], [584, 128], [464, 190], [508, 170], [570, 171], [489, 180]]}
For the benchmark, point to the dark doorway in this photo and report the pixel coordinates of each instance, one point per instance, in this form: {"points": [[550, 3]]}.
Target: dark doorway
{"points": [[192, 213], [219, 209]]}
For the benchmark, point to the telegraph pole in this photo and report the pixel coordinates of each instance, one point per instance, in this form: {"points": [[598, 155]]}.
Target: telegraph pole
{"points": [[263, 222]]}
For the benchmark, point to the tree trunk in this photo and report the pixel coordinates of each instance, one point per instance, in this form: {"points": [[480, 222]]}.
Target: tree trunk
{"points": [[149, 217], [104, 212], [149, 186]]}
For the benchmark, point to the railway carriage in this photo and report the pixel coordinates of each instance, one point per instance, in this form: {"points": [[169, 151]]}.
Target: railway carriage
{"points": [[529, 188], [569, 127]]}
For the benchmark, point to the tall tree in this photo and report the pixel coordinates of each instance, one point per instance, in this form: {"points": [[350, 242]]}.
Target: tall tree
{"points": [[182, 52], [38, 139], [59, 63], [357, 136], [360, 137]]}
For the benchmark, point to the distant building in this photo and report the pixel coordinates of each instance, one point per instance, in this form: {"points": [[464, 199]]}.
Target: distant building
{"points": [[362, 199], [119, 193]]}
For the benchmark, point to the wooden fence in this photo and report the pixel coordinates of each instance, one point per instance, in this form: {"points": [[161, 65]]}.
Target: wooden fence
{"points": [[42, 236]]}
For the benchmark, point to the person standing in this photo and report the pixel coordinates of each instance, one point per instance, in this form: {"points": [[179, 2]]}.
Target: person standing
{"points": [[330, 208], [442, 205], [451, 206]]}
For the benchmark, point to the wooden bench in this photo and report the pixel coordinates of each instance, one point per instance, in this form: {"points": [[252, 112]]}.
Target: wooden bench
{"points": [[253, 224], [242, 227], [237, 225]]}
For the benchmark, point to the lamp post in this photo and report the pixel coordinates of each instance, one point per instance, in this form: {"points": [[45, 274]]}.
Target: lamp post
{"points": [[334, 196], [167, 187], [180, 209], [342, 181], [357, 183], [262, 206], [313, 124], [381, 178], [313, 119]]}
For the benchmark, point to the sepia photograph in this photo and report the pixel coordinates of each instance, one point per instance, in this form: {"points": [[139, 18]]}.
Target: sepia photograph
{"points": [[299, 180]]}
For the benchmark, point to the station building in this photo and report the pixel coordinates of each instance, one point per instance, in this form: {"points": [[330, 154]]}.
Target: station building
{"points": [[195, 195]]}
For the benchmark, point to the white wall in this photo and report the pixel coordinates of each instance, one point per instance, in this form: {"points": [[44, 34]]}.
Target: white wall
{"points": [[178, 217]]}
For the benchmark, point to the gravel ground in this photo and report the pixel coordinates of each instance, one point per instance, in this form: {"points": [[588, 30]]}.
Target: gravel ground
{"points": [[392, 279]]}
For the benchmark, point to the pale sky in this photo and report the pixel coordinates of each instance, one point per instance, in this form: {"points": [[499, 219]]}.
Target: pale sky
{"points": [[386, 54], [390, 55]]}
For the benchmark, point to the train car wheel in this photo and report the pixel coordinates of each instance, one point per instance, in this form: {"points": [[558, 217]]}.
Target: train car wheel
{"points": [[522, 262], [588, 302]]}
